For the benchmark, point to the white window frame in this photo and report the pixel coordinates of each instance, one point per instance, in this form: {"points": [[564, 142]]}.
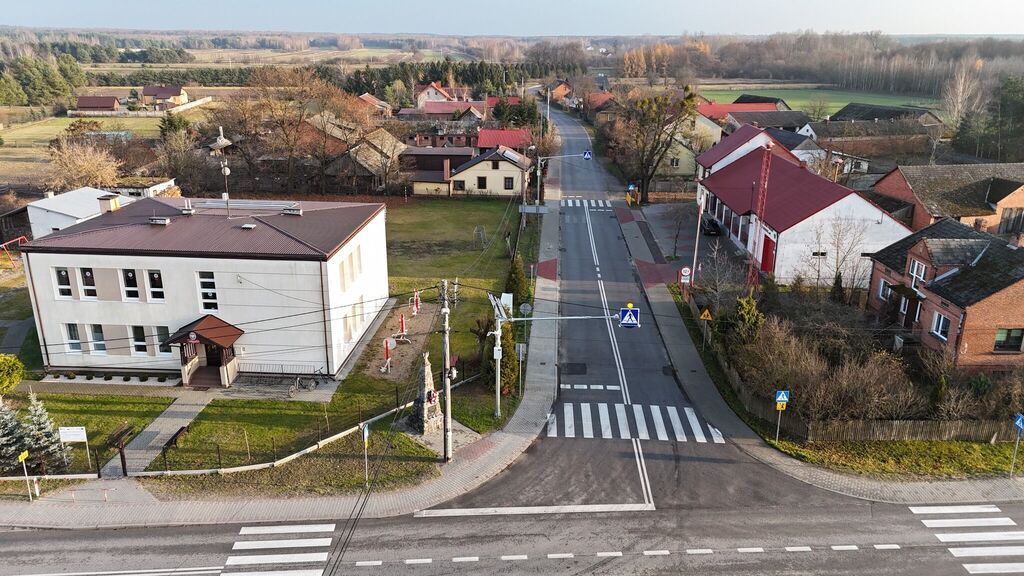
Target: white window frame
{"points": [[203, 301], [124, 287], [1006, 350], [673, 162], [73, 341], [136, 343], [97, 340], [918, 266], [82, 288], [937, 318], [151, 291], [57, 285], [884, 289], [160, 338], [904, 304]]}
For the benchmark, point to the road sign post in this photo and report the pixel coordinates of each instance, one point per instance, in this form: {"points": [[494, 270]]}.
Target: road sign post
{"points": [[781, 399], [1018, 423], [21, 458], [629, 317], [705, 317]]}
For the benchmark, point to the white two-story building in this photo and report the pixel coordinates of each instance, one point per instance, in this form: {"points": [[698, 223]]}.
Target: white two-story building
{"points": [[208, 288]]}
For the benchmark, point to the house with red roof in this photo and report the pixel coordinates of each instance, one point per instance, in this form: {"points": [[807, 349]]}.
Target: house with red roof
{"points": [[737, 145], [809, 227], [435, 92], [518, 139], [377, 106], [492, 101], [718, 112], [444, 110], [97, 104]]}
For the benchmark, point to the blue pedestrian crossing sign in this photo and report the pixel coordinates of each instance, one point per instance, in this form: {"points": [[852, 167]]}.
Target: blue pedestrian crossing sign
{"points": [[1019, 421], [781, 396], [587, 154], [629, 317]]}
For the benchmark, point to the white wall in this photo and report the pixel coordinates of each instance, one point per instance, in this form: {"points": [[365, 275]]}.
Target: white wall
{"points": [[43, 221], [754, 143], [806, 131], [853, 216]]}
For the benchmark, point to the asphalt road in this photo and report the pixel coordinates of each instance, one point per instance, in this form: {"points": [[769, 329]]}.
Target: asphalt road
{"points": [[701, 506]]}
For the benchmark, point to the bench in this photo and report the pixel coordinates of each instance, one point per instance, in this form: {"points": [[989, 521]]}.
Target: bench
{"points": [[173, 440]]}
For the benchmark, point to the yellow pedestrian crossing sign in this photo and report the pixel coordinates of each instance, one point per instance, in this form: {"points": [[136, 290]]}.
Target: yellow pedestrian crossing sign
{"points": [[23, 456], [706, 315]]}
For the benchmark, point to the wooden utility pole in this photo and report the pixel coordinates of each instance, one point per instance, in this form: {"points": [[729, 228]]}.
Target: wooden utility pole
{"points": [[446, 373]]}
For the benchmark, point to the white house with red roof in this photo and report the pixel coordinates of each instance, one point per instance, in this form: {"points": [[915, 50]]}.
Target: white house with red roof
{"points": [[810, 226], [518, 139]]}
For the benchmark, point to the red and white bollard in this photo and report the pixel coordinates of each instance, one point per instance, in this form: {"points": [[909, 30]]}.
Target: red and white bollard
{"points": [[416, 303], [386, 368]]}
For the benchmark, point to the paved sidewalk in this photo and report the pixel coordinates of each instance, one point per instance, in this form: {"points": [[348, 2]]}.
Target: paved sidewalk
{"points": [[473, 465], [702, 391], [15, 336], [147, 445]]}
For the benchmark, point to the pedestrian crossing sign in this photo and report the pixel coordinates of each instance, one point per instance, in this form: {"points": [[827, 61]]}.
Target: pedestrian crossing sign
{"points": [[706, 315], [1019, 422], [781, 396], [587, 155], [23, 456], [629, 317]]}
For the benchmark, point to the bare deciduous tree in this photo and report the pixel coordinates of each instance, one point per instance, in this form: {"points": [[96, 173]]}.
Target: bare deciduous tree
{"points": [[962, 92], [74, 164], [242, 119], [817, 108], [180, 160], [719, 278], [838, 243]]}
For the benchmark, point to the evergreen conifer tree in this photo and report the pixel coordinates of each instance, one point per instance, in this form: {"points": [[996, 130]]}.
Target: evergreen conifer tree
{"points": [[837, 295], [12, 437], [46, 453]]}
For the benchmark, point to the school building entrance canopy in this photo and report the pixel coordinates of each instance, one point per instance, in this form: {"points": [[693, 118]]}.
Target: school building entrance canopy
{"points": [[207, 351]]}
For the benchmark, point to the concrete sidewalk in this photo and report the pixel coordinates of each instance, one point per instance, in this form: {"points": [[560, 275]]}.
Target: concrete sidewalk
{"points": [[474, 464], [702, 391], [148, 444]]}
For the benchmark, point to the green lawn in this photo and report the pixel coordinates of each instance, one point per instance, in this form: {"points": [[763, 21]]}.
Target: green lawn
{"points": [[799, 99], [473, 406], [40, 133], [14, 300], [100, 415], [31, 354]]}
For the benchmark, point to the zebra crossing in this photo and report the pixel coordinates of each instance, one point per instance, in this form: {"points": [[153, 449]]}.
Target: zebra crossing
{"points": [[971, 526], [629, 421], [594, 205], [286, 550]]}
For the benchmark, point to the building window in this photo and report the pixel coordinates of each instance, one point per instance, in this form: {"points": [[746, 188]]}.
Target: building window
{"points": [[940, 326], [138, 340], [131, 284], [674, 162], [208, 291], [1009, 339], [884, 290], [459, 185], [98, 341], [917, 271], [63, 282], [510, 183], [74, 339], [1011, 221], [481, 182], [903, 304], [494, 165], [162, 335], [156, 285], [88, 282]]}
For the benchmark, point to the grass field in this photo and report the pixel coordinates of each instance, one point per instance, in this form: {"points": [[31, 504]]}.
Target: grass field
{"points": [[14, 300], [798, 99], [40, 133], [23, 165]]}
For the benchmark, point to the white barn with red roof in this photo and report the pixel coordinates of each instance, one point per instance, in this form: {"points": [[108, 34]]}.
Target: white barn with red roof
{"points": [[810, 226]]}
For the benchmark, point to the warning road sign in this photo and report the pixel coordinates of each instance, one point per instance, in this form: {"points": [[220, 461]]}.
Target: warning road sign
{"points": [[23, 456], [629, 317], [782, 396], [706, 315], [780, 406], [587, 155]]}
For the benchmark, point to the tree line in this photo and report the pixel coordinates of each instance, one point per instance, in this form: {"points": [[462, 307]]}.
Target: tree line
{"points": [[500, 76], [35, 82]]}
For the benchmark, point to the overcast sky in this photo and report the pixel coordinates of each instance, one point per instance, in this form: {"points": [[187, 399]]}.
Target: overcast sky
{"points": [[528, 17]]}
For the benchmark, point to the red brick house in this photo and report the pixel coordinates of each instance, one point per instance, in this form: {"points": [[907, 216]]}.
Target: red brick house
{"points": [[949, 286], [989, 197]]}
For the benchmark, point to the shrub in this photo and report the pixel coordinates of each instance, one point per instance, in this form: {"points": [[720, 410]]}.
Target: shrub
{"points": [[108, 377], [89, 376], [126, 378], [516, 283], [143, 378], [162, 379], [11, 372]]}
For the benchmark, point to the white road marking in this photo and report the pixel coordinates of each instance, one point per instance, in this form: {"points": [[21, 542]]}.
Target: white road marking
{"points": [[526, 510], [317, 572], [612, 387], [369, 563], [968, 522], [699, 551], [552, 426], [277, 559], [641, 422], [419, 561], [716, 435], [698, 432], [677, 425], [659, 424], [1013, 568], [596, 387], [645, 482], [196, 570], [844, 548], [580, 386], [293, 529], [466, 559], [606, 422], [620, 414], [798, 548], [560, 556], [980, 536], [656, 552], [566, 387], [979, 509], [987, 551], [570, 424], [261, 544], [887, 546], [750, 550], [515, 557], [609, 554], [588, 424]]}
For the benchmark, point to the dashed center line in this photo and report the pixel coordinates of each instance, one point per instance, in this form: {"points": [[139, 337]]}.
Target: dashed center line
{"points": [[656, 552], [699, 551], [844, 547], [750, 550], [515, 557], [798, 548], [609, 554], [561, 556], [419, 560], [466, 559]]}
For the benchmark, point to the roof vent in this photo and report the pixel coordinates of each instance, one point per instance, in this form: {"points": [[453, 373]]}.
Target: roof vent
{"points": [[292, 211], [159, 220], [187, 209], [248, 226]]}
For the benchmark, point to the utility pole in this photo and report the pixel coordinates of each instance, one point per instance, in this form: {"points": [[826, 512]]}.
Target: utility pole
{"points": [[499, 315], [446, 367]]}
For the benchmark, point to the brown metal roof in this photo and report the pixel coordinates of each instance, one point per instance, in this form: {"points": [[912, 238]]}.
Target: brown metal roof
{"points": [[208, 329], [254, 231]]}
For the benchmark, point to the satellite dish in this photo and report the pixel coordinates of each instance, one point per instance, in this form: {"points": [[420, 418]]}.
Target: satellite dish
{"points": [[525, 308]]}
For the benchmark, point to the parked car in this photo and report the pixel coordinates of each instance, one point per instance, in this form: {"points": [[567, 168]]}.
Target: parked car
{"points": [[710, 227]]}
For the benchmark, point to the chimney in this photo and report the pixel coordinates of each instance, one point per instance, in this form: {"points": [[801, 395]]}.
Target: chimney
{"points": [[828, 119], [876, 120], [803, 164], [110, 203], [187, 209], [50, 194], [447, 168]]}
